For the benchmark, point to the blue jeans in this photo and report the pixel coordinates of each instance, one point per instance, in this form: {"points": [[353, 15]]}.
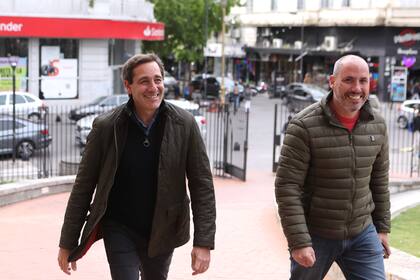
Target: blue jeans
{"points": [[359, 258], [127, 254]]}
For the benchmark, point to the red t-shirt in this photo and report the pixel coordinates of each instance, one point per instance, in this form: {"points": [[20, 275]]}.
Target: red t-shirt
{"points": [[348, 122]]}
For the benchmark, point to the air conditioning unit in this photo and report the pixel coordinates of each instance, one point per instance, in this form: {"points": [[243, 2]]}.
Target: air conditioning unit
{"points": [[277, 43], [330, 43], [235, 33], [265, 32], [266, 43]]}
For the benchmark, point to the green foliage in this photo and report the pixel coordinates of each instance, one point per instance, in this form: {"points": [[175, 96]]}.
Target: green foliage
{"points": [[405, 232], [184, 27]]}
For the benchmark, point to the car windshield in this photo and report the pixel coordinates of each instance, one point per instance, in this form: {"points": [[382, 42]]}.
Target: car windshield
{"points": [[195, 113], [317, 92], [97, 100]]}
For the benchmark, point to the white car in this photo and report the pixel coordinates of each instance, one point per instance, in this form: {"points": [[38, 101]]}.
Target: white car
{"points": [[26, 105], [406, 112], [83, 128], [84, 125], [193, 108]]}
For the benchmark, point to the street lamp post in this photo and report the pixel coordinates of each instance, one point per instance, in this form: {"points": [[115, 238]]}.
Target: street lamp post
{"points": [[206, 23], [301, 52], [302, 27], [13, 65], [222, 86]]}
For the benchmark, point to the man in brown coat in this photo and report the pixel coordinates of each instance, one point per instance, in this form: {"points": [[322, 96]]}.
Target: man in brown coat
{"points": [[332, 181], [135, 165]]}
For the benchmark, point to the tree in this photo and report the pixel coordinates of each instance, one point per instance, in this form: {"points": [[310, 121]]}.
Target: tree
{"points": [[184, 27]]}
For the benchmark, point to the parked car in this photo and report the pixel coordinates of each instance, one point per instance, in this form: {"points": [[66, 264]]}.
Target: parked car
{"points": [[26, 105], [99, 105], [193, 108], [197, 86], [406, 112], [83, 128], [171, 86], [300, 95], [229, 86], [277, 91], [374, 102], [84, 125], [29, 136]]}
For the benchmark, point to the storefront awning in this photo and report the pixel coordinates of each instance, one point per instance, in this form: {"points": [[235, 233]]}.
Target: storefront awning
{"points": [[43, 27]]}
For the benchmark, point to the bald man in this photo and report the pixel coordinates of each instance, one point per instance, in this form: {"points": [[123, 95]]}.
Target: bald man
{"points": [[332, 181]]}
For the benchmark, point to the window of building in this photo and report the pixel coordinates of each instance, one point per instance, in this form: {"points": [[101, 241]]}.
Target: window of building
{"points": [[2, 99], [301, 4], [409, 3], [326, 4], [119, 51], [13, 50], [274, 5], [346, 3], [59, 68], [249, 4]]}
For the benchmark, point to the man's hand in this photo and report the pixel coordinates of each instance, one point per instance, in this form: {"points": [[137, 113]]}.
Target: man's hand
{"points": [[304, 256], [383, 237], [63, 255], [200, 260]]}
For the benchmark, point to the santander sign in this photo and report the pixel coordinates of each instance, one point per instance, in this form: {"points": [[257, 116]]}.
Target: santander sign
{"points": [[11, 27]]}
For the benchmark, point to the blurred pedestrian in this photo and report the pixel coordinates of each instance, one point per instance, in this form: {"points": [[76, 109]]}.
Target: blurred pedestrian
{"points": [[134, 166], [236, 98], [308, 78], [332, 181]]}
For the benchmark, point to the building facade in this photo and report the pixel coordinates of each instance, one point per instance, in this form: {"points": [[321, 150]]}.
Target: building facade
{"points": [[284, 40], [72, 50]]}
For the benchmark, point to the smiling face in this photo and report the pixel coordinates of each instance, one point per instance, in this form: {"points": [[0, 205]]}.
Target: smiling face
{"points": [[146, 89], [350, 85]]}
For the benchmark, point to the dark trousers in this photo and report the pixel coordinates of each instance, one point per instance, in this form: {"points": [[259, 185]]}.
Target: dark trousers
{"points": [[127, 255]]}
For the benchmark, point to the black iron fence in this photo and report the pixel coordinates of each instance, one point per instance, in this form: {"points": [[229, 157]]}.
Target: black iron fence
{"points": [[52, 144], [404, 142]]}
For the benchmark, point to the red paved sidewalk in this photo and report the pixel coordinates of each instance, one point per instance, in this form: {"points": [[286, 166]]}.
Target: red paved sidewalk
{"points": [[249, 240]]}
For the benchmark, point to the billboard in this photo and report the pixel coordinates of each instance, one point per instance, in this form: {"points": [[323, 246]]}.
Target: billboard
{"points": [[6, 74], [398, 83], [58, 75]]}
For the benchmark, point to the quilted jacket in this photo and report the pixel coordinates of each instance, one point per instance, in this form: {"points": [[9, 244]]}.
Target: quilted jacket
{"points": [[331, 182]]}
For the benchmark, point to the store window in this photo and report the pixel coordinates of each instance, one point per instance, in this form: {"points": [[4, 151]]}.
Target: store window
{"points": [[119, 51], [59, 68], [13, 50]]}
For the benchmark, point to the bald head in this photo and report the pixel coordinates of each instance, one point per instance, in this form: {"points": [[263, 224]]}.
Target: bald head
{"points": [[347, 58], [350, 85]]}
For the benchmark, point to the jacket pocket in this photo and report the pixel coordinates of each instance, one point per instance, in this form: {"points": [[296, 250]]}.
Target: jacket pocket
{"points": [[178, 217]]}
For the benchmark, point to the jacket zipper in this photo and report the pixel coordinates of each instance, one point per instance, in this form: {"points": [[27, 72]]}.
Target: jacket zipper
{"points": [[353, 187]]}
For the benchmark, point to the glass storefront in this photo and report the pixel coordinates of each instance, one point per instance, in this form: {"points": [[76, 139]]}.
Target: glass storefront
{"points": [[58, 68], [13, 50]]}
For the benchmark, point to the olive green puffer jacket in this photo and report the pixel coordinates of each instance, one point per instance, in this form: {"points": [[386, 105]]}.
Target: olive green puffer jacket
{"points": [[331, 182]]}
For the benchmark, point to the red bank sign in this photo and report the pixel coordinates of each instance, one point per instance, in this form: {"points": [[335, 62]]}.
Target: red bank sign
{"points": [[80, 28]]}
